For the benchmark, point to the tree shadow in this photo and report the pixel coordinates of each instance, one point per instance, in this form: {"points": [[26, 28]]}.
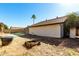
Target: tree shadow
{"points": [[65, 42]]}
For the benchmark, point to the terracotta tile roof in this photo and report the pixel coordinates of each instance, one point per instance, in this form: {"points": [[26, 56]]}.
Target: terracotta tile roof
{"points": [[51, 21]]}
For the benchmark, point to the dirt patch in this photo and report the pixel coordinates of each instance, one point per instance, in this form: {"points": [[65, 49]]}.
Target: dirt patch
{"points": [[48, 47], [54, 46], [65, 42], [70, 43]]}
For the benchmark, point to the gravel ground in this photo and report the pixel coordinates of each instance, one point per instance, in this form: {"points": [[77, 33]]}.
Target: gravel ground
{"points": [[16, 49]]}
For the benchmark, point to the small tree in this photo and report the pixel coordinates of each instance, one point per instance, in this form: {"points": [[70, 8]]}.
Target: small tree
{"points": [[33, 17], [3, 27], [72, 19]]}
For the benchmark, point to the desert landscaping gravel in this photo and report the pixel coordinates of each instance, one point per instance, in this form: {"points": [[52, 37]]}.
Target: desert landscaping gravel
{"points": [[16, 49]]}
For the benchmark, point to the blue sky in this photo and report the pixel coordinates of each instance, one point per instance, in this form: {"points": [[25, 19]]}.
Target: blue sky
{"points": [[19, 14]]}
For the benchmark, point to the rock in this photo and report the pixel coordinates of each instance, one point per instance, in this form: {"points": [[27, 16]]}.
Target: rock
{"points": [[6, 40], [30, 44]]}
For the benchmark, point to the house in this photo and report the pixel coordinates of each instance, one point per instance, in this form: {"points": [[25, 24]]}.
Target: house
{"points": [[16, 29], [74, 31], [49, 28], [54, 28]]}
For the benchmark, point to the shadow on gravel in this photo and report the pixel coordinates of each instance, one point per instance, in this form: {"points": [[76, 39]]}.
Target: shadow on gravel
{"points": [[65, 42]]}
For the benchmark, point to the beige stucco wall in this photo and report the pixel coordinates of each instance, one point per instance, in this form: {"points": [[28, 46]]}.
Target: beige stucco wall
{"points": [[50, 30], [72, 32]]}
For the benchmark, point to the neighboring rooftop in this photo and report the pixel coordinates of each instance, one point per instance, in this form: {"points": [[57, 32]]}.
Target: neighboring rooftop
{"points": [[16, 27]]}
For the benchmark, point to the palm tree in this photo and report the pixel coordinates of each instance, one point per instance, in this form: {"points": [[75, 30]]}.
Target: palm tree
{"points": [[33, 17]]}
